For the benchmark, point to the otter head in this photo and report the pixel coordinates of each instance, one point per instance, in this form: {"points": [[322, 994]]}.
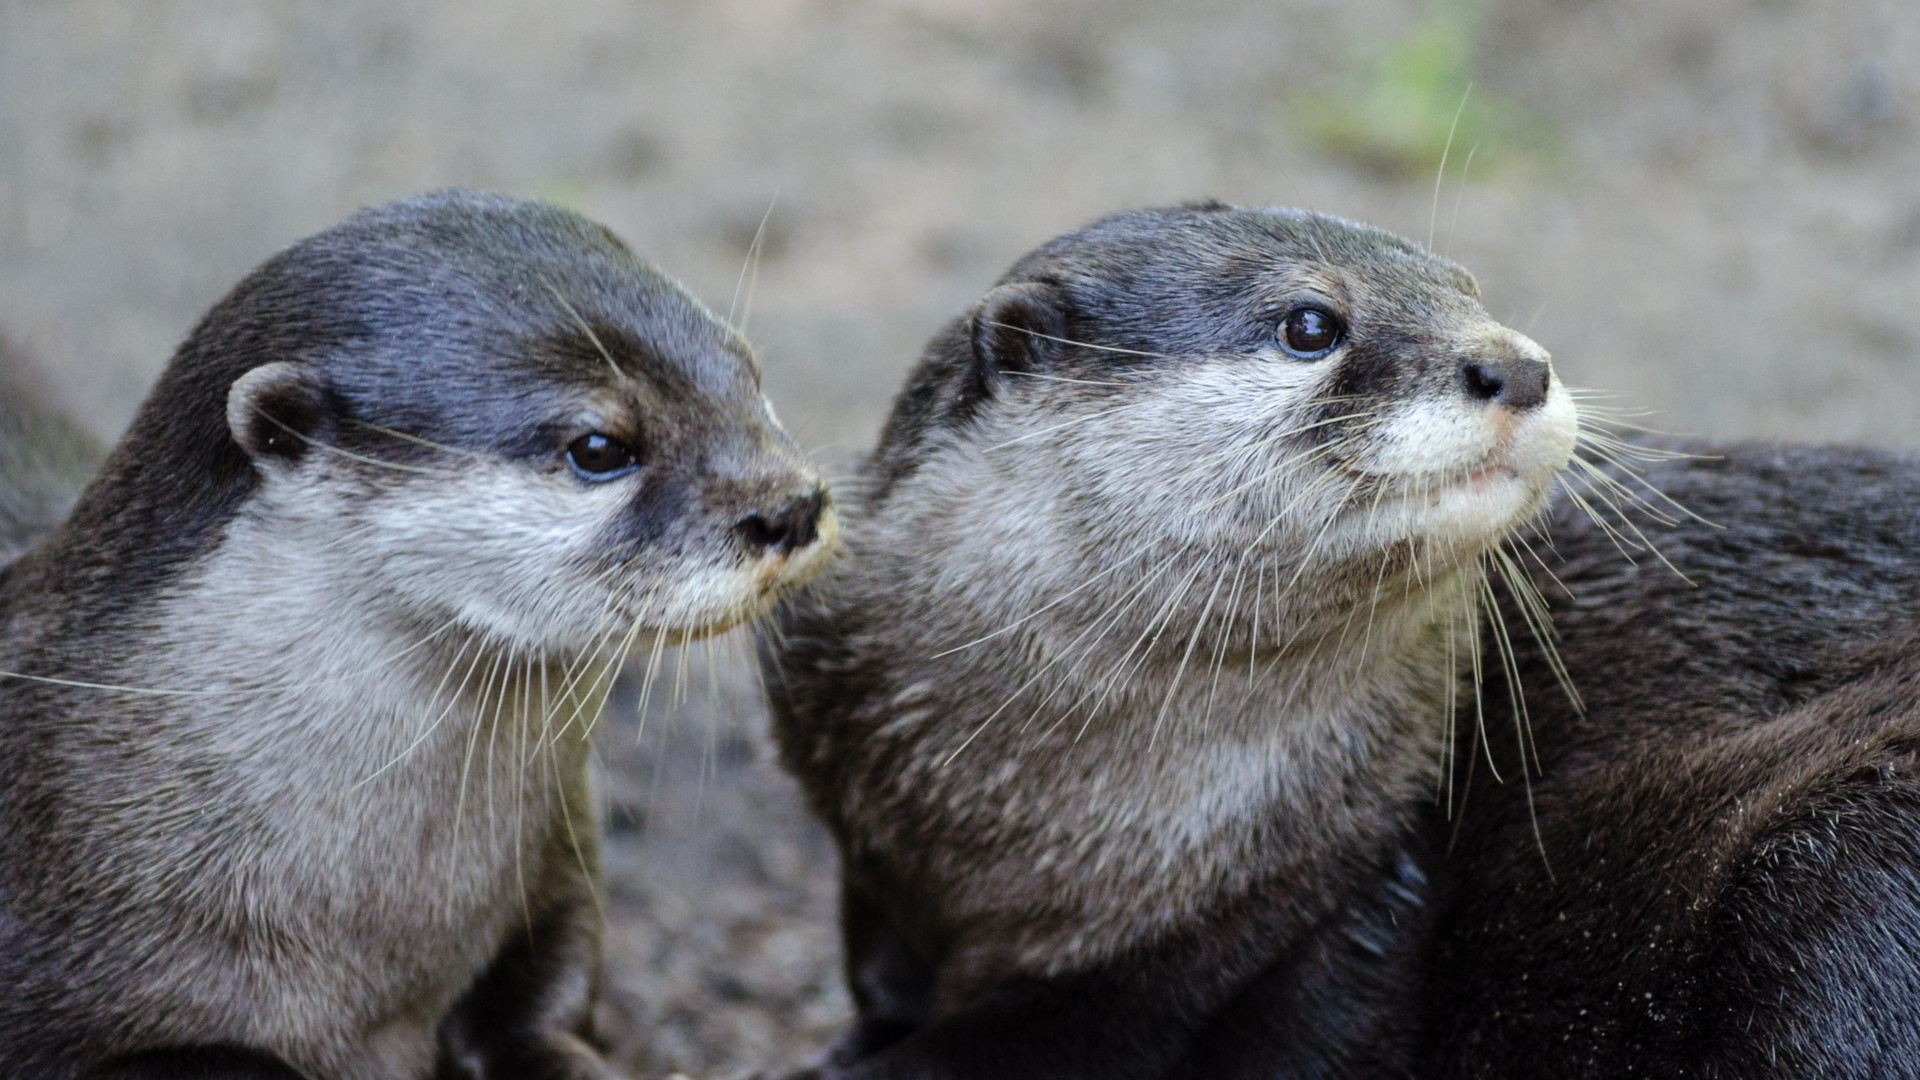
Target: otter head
{"points": [[507, 419], [1285, 396]]}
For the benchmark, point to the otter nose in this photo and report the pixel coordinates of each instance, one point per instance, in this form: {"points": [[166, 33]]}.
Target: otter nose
{"points": [[789, 529], [1516, 382]]}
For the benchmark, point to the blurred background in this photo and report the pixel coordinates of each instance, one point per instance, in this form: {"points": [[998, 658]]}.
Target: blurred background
{"points": [[1711, 207]]}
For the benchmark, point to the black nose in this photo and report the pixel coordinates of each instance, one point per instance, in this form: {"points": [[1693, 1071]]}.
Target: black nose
{"points": [[791, 528], [1516, 383]]}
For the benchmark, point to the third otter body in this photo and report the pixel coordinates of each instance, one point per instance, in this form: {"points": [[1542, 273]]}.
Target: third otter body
{"points": [[1717, 872], [45, 458], [295, 702], [1125, 705]]}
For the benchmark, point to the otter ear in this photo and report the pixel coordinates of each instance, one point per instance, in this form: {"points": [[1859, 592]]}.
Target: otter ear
{"points": [[276, 411], [1017, 328]]}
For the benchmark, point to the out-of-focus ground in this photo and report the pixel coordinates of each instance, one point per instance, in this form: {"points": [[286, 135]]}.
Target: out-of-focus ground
{"points": [[1709, 206]]}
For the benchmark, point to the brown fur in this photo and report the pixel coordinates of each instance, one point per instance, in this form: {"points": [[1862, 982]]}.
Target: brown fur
{"points": [[1717, 873]]}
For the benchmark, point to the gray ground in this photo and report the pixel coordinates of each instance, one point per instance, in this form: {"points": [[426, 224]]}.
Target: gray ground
{"points": [[1714, 212]]}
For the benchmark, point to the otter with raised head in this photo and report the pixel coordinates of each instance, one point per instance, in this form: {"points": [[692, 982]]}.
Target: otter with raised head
{"points": [[1126, 703], [293, 726], [1129, 705]]}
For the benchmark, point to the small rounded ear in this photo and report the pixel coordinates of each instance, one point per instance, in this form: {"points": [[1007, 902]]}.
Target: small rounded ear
{"points": [[1017, 328], [276, 411]]}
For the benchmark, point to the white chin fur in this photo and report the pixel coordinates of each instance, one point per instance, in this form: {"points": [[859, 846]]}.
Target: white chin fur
{"points": [[1462, 475], [714, 600]]}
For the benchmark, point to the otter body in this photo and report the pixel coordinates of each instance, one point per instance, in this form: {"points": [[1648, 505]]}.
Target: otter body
{"points": [[1719, 871], [294, 725], [45, 459], [1126, 703]]}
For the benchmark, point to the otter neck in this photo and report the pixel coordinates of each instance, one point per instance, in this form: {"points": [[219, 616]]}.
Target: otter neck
{"points": [[1201, 776], [328, 714]]}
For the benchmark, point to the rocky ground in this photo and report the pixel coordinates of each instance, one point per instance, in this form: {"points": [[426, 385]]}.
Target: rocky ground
{"points": [[1707, 206]]}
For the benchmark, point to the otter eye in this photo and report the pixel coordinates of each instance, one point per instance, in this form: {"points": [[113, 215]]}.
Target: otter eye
{"points": [[598, 457], [1309, 332]]}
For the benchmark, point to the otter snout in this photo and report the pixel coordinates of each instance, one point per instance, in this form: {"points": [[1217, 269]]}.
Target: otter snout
{"points": [[788, 529], [1516, 382]]}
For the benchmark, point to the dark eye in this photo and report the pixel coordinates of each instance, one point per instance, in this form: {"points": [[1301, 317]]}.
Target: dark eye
{"points": [[599, 457], [1309, 333]]}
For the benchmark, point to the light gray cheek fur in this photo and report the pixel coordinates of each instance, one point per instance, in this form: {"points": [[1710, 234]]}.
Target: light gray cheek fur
{"points": [[517, 553], [1250, 415], [359, 907]]}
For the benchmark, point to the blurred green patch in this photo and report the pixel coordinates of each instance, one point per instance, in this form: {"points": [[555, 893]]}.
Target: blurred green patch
{"points": [[562, 191], [1394, 111]]}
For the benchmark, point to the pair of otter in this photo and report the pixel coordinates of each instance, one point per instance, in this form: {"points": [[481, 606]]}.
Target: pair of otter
{"points": [[1127, 708], [296, 699], [1156, 706]]}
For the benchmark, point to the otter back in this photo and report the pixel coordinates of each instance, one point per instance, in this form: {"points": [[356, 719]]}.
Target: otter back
{"points": [[1719, 871]]}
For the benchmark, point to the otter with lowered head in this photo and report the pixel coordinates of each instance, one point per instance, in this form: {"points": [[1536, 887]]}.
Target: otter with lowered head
{"points": [[1126, 703], [295, 707]]}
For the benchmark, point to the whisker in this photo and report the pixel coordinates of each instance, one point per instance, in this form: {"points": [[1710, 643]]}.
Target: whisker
{"points": [[1226, 638], [1149, 637], [466, 766], [520, 801], [232, 691], [1049, 377], [1128, 600], [1523, 725], [1232, 455], [582, 325], [1608, 500], [1063, 425], [1180, 669], [350, 455], [1459, 194], [1479, 677], [1539, 621], [1433, 218], [452, 703], [750, 268], [1036, 613], [1080, 344], [418, 440], [1615, 458], [587, 875]]}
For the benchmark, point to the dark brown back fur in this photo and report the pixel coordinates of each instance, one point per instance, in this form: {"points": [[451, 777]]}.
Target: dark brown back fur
{"points": [[1730, 882]]}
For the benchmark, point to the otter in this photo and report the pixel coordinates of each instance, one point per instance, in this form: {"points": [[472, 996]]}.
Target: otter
{"points": [[1126, 707], [295, 714], [1102, 813]]}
